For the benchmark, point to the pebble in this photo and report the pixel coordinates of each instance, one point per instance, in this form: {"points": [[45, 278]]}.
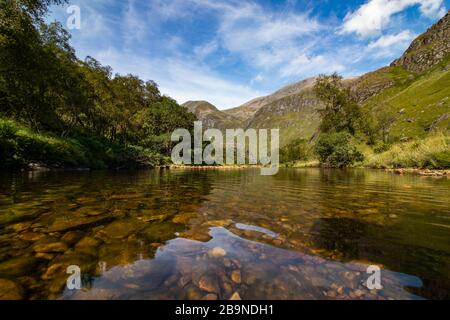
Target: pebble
{"points": [[217, 252], [235, 296], [53, 247], [10, 290], [210, 296], [208, 284], [236, 276]]}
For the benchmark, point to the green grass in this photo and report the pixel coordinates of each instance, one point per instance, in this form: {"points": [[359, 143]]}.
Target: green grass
{"points": [[20, 146], [421, 104], [432, 152]]}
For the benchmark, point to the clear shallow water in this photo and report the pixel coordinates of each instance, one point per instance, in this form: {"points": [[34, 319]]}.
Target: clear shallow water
{"points": [[302, 234]]}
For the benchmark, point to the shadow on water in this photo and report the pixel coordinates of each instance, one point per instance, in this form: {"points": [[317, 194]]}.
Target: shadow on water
{"points": [[364, 241]]}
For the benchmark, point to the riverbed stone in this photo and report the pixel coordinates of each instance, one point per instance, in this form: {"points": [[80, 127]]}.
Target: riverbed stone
{"points": [[193, 293], [209, 284], [17, 266], [10, 290], [72, 237], [52, 247], [119, 229], [217, 252], [236, 276], [235, 296], [31, 236]]}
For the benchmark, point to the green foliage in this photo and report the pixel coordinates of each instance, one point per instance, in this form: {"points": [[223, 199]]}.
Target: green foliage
{"points": [[297, 150], [431, 152], [341, 112], [338, 150], [62, 100], [20, 146]]}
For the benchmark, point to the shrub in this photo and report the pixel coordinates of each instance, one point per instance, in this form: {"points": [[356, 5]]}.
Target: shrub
{"points": [[297, 150], [432, 152], [338, 150]]}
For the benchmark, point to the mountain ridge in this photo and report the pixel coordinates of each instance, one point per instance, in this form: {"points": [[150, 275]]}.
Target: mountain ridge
{"points": [[295, 108]]}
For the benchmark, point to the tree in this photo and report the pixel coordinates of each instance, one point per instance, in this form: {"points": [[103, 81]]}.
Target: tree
{"points": [[341, 111], [337, 150]]}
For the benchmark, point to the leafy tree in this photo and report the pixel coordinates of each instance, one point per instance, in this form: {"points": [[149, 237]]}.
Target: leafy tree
{"points": [[341, 111], [337, 149], [46, 87], [297, 150]]}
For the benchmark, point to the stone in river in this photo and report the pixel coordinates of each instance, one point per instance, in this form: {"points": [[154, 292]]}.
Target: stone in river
{"points": [[54, 270], [210, 296], [182, 218], [193, 293], [63, 223], [72, 237], [45, 256], [236, 276], [17, 266], [10, 290], [119, 229], [217, 252], [52, 247], [31, 236], [208, 284], [87, 242], [235, 296], [19, 227]]}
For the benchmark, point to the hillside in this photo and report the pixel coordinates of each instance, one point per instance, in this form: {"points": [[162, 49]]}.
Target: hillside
{"points": [[249, 109], [412, 94], [210, 116]]}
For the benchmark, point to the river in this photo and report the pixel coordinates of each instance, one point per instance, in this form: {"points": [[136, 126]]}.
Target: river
{"points": [[221, 234]]}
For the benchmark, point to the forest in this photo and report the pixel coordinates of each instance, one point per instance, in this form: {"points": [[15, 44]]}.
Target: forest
{"points": [[61, 111]]}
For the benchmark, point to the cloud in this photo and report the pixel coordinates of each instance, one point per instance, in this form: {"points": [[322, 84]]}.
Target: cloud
{"points": [[391, 40], [390, 45], [375, 15], [311, 66], [182, 79]]}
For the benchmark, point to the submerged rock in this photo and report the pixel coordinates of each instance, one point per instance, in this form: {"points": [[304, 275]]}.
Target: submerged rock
{"points": [[17, 266], [208, 284], [10, 290], [217, 252], [235, 296], [236, 276], [52, 247]]}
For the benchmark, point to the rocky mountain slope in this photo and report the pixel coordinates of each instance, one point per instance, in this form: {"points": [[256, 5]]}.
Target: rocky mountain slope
{"points": [[413, 91], [248, 110], [211, 116]]}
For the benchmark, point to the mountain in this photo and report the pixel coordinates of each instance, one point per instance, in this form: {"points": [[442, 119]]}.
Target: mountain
{"points": [[412, 93], [210, 116], [248, 110]]}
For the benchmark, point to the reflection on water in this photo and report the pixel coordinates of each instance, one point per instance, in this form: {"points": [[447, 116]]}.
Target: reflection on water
{"points": [[302, 234]]}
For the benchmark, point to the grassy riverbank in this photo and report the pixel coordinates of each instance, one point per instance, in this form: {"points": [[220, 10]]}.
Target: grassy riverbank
{"points": [[20, 147]]}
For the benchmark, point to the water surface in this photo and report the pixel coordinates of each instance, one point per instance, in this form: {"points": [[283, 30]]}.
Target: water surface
{"points": [[174, 234]]}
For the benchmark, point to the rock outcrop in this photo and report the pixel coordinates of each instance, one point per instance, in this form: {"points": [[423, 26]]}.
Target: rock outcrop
{"points": [[428, 49]]}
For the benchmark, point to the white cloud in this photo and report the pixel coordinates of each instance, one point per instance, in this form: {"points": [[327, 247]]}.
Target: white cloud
{"points": [[373, 16], [201, 52], [182, 79], [391, 40], [390, 46], [311, 66]]}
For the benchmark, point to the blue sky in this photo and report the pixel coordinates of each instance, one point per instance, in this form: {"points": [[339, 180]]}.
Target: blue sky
{"points": [[231, 51]]}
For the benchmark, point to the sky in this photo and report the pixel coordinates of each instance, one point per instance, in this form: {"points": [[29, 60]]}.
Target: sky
{"points": [[231, 51]]}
